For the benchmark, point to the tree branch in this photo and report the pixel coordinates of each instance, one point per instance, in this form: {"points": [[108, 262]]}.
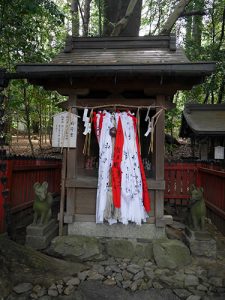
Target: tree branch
{"points": [[178, 10], [193, 13], [123, 22]]}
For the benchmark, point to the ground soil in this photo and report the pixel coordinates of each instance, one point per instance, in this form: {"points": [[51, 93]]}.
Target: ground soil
{"points": [[20, 146]]}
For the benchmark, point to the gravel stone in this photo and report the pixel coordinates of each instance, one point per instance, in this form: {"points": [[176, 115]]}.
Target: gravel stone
{"points": [[59, 288], [69, 290], [126, 275], [83, 275], [119, 277], [133, 268], [216, 281], [33, 296], [96, 276], [126, 284], [149, 272], [148, 264], [191, 280], [201, 287], [23, 288], [109, 282], [182, 293], [115, 269], [157, 285], [73, 281], [194, 297], [53, 292], [139, 275], [98, 268]]}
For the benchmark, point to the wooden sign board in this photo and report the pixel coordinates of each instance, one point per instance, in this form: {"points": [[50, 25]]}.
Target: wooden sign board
{"points": [[64, 130], [219, 152]]}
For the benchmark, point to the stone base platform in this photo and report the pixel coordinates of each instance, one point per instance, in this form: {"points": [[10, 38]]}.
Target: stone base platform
{"points": [[200, 243], [130, 231], [39, 237]]}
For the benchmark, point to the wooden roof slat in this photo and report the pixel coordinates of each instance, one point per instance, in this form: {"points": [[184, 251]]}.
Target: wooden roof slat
{"points": [[204, 119]]}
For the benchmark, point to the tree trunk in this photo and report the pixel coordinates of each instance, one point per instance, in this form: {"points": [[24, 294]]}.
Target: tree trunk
{"points": [[197, 25], [75, 18], [27, 118], [99, 3], [87, 4], [178, 10], [122, 17], [122, 24], [221, 90]]}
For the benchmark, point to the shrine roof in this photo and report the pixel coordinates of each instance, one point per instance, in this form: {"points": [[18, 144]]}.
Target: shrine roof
{"points": [[152, 64], [152, 54], [203, 119], [120, 51]]}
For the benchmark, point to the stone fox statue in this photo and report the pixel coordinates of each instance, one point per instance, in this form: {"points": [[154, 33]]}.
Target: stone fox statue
{"points": [[197, 208], [42, 203]]}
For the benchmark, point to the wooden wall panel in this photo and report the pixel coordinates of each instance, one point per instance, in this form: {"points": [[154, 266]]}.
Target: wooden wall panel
{"points": [[85, 202]]}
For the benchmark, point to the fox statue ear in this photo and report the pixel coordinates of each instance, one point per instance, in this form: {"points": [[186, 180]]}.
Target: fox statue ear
{"points": [[45, 184], [192, 188], [201, 189], [36, 185]]}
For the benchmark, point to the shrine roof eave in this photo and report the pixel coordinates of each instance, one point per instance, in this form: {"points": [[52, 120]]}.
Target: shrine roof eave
{"points": [[65, 70], [203, 120]]}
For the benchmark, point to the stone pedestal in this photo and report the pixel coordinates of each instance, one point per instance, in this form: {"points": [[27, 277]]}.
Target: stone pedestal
{"points": [[129, 231], [39, 237], [200, 243]]}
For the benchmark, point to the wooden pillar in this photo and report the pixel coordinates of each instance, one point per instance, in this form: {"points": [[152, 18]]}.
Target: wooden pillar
{"points": [[71, 171], [159, 155]]}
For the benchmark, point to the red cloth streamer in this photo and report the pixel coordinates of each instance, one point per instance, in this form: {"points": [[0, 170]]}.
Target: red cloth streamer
{"points": [[116, 169], [94, 120]]}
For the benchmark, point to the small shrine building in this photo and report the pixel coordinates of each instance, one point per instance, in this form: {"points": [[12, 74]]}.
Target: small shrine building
{"points": [[118, 73]]}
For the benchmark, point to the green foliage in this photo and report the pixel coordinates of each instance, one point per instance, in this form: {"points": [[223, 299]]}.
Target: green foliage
{"points": [[207, 45], [30, 31]]}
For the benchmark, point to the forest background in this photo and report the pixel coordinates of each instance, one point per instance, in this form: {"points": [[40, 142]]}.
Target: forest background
{"points": [[35, 31]]}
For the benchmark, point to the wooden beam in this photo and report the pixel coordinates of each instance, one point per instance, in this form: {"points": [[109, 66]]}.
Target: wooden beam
{"points": [[62, 198], [159, 153], [87, 182], [71, 168]]}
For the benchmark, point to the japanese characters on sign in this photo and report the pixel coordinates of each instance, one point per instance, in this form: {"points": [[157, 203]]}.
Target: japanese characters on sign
{"points": [[64, 130]]}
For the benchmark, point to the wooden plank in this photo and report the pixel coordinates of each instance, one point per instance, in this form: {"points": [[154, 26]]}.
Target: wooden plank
{"points": [[85, 201], [215, 209], [32, 168], [84, 218], [128, 101], [121, 38], [159, 140], [92, 218], [62, 198], [71, 168], [91, 182], [213, 172]]}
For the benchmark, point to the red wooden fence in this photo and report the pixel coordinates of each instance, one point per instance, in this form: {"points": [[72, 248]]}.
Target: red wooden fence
{"points": [[213, 182], [21, 175], [179, 176]]}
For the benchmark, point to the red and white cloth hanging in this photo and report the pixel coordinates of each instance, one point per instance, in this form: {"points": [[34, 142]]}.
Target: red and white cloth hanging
{"points": [[123, 165]]}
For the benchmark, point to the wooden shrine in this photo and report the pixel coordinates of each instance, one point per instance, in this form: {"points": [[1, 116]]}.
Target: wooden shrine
{"points": [[135, 71], [204, 124]]}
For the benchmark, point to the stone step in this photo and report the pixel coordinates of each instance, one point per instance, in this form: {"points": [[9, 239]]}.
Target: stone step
{"points": [[130, 231]]}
